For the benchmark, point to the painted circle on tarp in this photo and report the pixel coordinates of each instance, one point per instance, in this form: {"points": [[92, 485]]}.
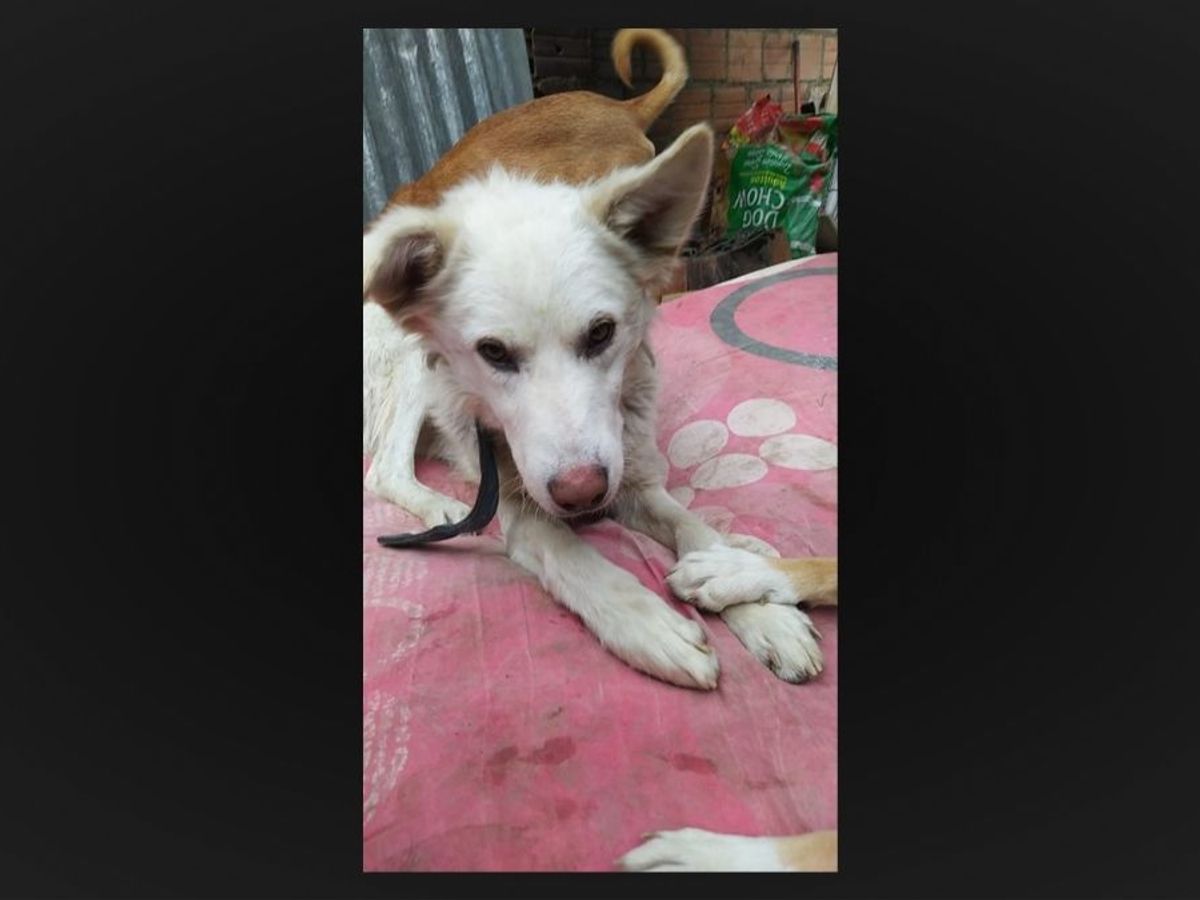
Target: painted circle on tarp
{"points": [[799, 451], [730, 470], [724, 324], [760, 417], [696, 442]]}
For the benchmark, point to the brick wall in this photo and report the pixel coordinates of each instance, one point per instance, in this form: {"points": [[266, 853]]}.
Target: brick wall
{"points": [[730, 67]]}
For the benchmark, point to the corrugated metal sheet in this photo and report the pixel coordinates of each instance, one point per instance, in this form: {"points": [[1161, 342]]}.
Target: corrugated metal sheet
{"points": [[423, 88]]}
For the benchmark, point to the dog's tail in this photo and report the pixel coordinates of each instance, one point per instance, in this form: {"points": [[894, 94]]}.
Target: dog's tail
{"points": [[649, 106]]}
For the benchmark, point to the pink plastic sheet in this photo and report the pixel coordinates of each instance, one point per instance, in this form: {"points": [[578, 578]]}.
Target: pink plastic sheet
{"points": [[499, 735]]}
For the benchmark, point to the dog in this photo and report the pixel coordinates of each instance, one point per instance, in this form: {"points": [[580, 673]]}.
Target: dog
{"points": [[714, 579], [512, 286]]}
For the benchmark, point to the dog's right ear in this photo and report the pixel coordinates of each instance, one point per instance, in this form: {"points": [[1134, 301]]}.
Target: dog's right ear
{"points": [[403, 254], [652, 207]]}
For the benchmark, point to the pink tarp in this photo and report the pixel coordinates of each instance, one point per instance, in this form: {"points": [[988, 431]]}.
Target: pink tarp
{"points": [[499, 735]]}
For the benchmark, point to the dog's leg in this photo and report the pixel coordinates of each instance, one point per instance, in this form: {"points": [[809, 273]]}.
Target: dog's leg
{"points": [[656, 513], [392, 475], [634, 623], [723, 576], [781, 637], [396, 400], [697, 850]]}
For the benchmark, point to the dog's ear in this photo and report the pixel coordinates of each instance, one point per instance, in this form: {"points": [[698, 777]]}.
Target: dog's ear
{"points": [[652, 207], [403, 253]]}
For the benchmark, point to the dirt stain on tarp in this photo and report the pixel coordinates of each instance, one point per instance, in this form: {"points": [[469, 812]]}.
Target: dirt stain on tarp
{"points": [[552, 752], [497, 764], [502, 756], [686, 762], [439, 614], [564, 808]]}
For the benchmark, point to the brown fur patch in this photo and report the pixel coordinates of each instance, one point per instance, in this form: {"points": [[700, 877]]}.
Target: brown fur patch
{"points": [[815, 578], [407, 266], [814, 852]]}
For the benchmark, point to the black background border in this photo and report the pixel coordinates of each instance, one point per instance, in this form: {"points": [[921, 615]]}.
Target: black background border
{"points": [[1017, 364]]}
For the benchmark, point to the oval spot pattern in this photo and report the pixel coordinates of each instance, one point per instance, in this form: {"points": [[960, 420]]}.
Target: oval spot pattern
{"points": [[730, 470], [799, 451], [761, 417], [697, 441]]}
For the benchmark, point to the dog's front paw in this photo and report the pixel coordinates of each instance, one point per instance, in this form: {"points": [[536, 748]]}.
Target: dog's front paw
{"points": [[427, 505], [650, 636], [442, 510], [781, 637], [722, 576]]}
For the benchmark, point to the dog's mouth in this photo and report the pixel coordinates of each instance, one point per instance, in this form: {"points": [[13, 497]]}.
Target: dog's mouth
{"points": [[587, 516], [571, 516]]}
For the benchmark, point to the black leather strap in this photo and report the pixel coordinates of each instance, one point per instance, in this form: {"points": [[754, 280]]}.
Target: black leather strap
{"points": [[481, 513]]}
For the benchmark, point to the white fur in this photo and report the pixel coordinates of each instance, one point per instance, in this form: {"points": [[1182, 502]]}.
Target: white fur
{"points": [[533, 265], [722, 576], [396, 395], [697, 850], [757, 601], [782, 638]]}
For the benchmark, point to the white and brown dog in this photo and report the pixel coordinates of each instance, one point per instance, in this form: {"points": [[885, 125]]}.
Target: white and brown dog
{"points": [[513, 285]]}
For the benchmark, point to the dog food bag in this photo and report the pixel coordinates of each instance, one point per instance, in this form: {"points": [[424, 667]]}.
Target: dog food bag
{"points": [[779, 172]]}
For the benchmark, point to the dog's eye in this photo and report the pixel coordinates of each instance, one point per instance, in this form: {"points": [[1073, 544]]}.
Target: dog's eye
{"points": [[599, 336], [496, 354]]}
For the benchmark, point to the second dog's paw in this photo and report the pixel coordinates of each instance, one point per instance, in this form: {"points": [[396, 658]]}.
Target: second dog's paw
{"points": [[781, 637], [697, 850], [723, 576]]}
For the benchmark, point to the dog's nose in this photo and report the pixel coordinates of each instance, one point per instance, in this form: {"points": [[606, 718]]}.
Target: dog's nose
{"points": [[579, 488]]}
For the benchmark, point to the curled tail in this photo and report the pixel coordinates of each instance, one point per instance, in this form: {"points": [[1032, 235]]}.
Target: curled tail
{"points": [[649, 106]]}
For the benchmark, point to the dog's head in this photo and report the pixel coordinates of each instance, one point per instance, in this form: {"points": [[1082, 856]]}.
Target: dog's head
{"points": [[537, 296]]}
